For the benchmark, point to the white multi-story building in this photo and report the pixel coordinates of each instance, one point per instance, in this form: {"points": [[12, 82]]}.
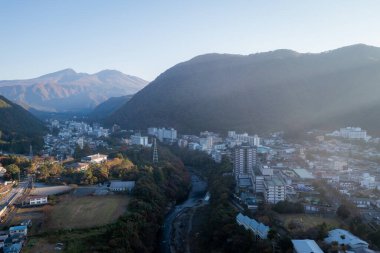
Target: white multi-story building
{"points": [[368, 181], [206, 143], [256, 140], [163, 134], [37, 200], [167, 134], [238, 139], [139, 140], [153, 131], [275, 190], [353, 133], [231, 134]]}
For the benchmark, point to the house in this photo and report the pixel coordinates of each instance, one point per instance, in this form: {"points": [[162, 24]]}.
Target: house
{"points": [[18, 230], [3, 236], [306, 246], [35, 200], [97, 158], [78, 166], [12, 247], [259, 229], [120, 186], [13, 244], [345, 237]]}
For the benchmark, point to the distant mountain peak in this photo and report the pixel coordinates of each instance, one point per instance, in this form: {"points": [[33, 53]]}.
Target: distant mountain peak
{"points": [[361, 49], [60, 73], [67, 90], [109, 71]]}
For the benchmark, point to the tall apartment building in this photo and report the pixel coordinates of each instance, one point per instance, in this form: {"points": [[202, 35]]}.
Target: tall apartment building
{"points": [[244, 160]]}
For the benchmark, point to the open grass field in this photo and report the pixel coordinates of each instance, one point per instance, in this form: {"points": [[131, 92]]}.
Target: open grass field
{"points": [[86, 212], [308, 221]]}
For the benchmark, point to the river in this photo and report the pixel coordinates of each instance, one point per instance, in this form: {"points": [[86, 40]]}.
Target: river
{"points": [[197, 193]]}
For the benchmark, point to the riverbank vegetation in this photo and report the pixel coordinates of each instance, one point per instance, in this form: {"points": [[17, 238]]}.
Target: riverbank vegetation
{"points": [[157, 188], [215, 228]]}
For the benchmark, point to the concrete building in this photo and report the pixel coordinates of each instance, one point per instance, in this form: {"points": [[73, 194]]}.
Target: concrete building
{"points": [[275, 190], [139, 140], [259, 183], [306, 246], [244, 160], [367, 181], [256, 140], [163, 134]]}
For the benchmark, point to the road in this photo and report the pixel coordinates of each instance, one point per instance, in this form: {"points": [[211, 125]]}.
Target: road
{"points": [[13, 195], [197, 193]]}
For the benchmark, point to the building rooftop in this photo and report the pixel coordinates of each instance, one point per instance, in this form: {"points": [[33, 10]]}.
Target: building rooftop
{"points": [[259, 228], [345, 237], [306, 246], [274, 181], [122, 184], [96, 156], [17, 228], [304, 174]]}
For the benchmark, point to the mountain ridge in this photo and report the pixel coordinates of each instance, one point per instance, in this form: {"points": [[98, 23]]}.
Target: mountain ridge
{"points": [[67, 90], [277, 90]]}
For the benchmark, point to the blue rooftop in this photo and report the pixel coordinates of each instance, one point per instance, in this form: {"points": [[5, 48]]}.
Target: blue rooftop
{"points": [[22, 227], [256, 227]]}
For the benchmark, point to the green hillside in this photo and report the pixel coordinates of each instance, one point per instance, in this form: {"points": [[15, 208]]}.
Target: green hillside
{"points": [[19, 128]]}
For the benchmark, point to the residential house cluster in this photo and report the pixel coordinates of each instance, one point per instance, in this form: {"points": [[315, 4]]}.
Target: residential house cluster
{"points": [[67, 135], [13, 240]]}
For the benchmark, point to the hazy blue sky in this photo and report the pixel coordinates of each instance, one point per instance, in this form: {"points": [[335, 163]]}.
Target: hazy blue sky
{"points": [[144, 38]]}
